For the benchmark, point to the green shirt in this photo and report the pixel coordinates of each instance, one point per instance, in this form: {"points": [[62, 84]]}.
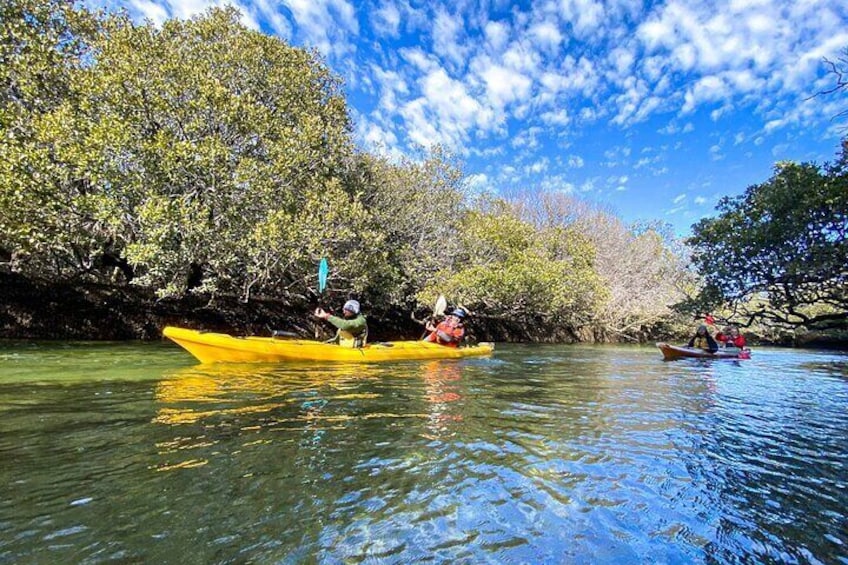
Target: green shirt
{"points": [[354, 326], [351, 332]]}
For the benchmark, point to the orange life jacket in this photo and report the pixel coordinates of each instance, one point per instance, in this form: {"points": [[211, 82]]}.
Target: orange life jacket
{"points": [[447, 334]]}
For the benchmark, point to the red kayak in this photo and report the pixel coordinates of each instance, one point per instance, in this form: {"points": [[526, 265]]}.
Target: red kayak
{"points": [[671, 352]]}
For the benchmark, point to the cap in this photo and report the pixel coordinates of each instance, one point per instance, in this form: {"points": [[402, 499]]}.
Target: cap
{"points": [[351, 306], [459, 313]]}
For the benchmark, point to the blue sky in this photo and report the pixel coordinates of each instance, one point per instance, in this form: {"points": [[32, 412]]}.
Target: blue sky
{"points": [[653, 109]]}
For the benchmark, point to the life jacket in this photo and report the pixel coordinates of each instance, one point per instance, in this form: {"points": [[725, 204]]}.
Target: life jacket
{"points": [[347, 338], [737, 341], [701, 342], [447, 334]]}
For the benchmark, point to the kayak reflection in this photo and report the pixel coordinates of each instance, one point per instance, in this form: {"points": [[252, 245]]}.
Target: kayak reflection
{"points": [[442, 381], [194, 393]]}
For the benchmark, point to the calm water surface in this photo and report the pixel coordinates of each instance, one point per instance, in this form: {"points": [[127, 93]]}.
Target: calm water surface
{"points": [[540, 454]]}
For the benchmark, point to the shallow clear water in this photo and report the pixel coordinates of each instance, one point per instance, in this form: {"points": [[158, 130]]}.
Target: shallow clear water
{"points": [[540, 454]]}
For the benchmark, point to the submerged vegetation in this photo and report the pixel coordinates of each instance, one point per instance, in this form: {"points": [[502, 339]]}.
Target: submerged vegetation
{"points": [[203, 158]]}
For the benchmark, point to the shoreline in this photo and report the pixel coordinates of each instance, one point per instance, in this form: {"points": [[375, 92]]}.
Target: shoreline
{"points": [[43, 310]]}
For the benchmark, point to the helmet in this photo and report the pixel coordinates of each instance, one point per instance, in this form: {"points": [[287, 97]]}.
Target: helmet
{"points": [[459, 313], [351, 306]]}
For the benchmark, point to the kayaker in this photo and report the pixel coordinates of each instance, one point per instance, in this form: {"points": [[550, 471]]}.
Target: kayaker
{"points": [[703, 340], [450, 331], [722, 336], [734, 338], [352, 329]]}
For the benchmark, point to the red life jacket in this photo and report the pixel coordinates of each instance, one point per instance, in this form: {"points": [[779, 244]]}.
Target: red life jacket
{"points": [[447, 334]]}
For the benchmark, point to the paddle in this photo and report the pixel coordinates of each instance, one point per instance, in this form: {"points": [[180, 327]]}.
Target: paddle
{"points": [[323, 273], [440, 306], [438, 310]]}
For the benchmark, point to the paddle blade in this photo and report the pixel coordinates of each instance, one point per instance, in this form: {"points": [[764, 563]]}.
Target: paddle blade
{"points": [[323, 271], [441, 306]]}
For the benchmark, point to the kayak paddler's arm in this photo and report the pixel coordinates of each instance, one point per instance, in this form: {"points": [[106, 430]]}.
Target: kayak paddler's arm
{"points": [[353, 325]]}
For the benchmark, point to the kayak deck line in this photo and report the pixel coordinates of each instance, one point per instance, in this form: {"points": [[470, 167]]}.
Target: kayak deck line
{"points": [[211, 347]]}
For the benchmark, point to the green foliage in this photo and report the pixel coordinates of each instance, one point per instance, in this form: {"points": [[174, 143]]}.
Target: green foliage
{"points": [[418, 207], [187, 149], [42, 44], [206, 157], [642, 268], [778, 251], [512, 270]]}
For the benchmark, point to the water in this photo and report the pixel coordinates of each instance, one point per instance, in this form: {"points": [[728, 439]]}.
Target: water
{"points": [[541, 454]]}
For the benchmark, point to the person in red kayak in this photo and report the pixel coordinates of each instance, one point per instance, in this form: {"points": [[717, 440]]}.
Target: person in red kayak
{"points": [[450, 331], [734, 338], [703, 340]]}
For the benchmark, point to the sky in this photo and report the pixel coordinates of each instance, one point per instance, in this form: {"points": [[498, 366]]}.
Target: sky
{"points": [[653, 110]]}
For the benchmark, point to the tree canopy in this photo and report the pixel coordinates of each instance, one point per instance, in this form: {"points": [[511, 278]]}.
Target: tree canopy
{"points": [[778, 251], [205, 157]]}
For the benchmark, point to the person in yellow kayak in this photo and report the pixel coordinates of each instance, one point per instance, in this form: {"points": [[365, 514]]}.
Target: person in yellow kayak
{"points": [[352, 329], [703, 340], [450, 331]]}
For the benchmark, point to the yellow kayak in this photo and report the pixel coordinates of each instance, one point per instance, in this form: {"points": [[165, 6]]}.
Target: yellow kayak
{"points": [[211, 347]]}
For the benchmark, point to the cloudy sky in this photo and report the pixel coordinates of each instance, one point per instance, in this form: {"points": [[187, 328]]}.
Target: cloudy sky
{"points": [[653, 109]]}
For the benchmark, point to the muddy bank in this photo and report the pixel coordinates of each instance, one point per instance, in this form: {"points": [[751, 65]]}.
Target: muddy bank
{"points": [[37, 309]]}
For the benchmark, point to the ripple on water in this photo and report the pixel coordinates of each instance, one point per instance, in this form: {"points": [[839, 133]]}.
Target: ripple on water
{"points": [[539, 455]]}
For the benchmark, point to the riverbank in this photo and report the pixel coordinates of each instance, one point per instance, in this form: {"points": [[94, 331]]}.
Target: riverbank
{"points": [[38, 309], [46, 310]]}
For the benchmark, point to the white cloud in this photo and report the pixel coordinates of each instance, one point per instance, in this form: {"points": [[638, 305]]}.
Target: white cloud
{"points": [[503, 85], [392, 85], [715, 153], [547, 35], [575, 161], [449, 37], [731, 48], [152, 11], [386, 20], [557, 183], [420, 59], [679, 198], [556, 118], [497, 35], [700, 200], [588, 186], [326, 24], [538, 167], [478, 183], [708, 89], [578, 76], [446, 112], [528, 138], [622, 60], [375, 136], [585, 16]]}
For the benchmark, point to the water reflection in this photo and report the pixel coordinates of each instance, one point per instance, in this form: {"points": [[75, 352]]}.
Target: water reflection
{"points": [[443, 389], [194, 393]]}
